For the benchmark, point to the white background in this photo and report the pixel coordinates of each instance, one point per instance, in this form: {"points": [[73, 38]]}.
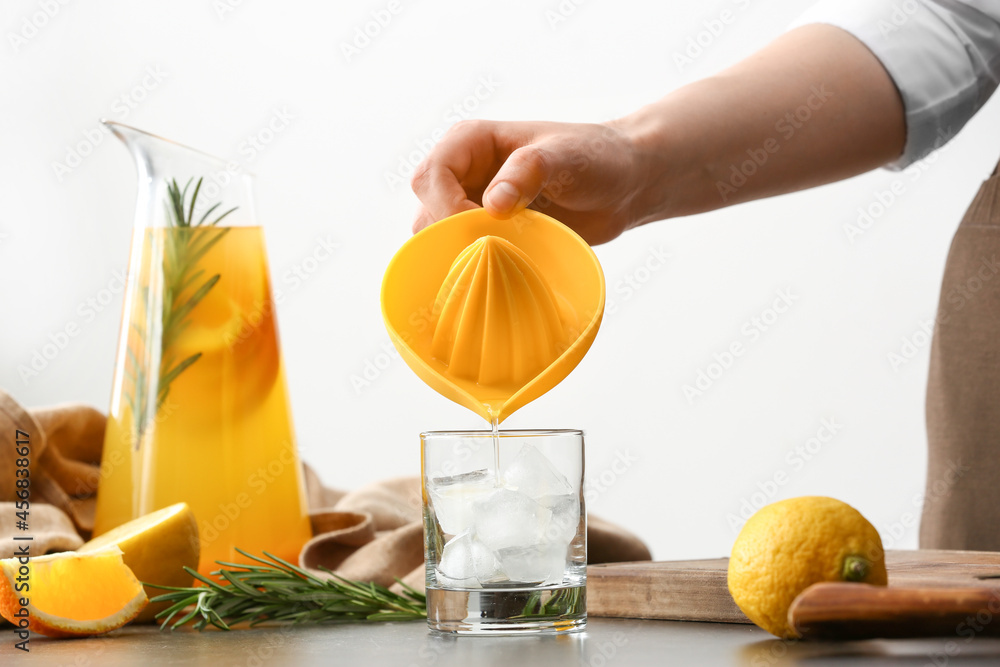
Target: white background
{"points": [[225, 70]]}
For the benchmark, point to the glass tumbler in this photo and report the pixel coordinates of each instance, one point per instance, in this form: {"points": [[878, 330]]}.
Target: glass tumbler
{"points": [[505, 531]]}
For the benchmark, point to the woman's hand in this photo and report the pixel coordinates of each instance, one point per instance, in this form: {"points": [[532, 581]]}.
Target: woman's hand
{"points": [[584, 175], [812, 107]]}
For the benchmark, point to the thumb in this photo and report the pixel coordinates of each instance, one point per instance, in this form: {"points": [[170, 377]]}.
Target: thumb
{"points": [[520, 180]]}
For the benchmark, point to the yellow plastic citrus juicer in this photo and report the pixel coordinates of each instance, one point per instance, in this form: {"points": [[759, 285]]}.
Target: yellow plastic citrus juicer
{"points": [[493, 313]]}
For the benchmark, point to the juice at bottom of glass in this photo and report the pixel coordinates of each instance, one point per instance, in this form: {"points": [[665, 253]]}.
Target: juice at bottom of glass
{"points": [[219, 435]]}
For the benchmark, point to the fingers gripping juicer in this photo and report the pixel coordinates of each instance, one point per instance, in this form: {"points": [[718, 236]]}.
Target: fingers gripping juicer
{"points": [[493, 313]]}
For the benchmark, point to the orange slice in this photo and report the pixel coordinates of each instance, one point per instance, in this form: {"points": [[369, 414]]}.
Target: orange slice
{"points": [[71, 594]]}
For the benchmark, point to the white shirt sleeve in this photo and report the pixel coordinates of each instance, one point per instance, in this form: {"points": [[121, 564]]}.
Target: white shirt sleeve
{"points": [[943, 56]]}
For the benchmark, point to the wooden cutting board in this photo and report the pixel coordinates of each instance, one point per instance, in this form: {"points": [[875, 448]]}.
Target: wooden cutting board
{"points": [[696, 590]]}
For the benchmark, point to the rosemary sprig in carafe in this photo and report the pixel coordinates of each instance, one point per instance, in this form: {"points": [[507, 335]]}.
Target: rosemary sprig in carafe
{"points": [[185, 243], [273, 589]]}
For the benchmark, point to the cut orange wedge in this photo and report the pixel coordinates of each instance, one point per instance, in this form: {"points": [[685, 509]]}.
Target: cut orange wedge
{"points": [[70, 594], [156, 547]]}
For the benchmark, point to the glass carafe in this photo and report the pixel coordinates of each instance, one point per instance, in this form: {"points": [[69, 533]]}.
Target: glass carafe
{"points": [[199, 406]]}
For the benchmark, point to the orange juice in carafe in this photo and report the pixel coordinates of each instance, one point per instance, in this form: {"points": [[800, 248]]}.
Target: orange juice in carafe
{"points": [[222, 438], [200, 409]]}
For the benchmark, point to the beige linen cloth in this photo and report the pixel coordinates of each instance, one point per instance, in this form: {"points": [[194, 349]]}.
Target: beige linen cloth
{"points": [[372, 534]]}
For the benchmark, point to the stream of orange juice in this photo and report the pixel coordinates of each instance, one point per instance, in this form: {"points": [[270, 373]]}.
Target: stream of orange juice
{"points": [[222, 440]]}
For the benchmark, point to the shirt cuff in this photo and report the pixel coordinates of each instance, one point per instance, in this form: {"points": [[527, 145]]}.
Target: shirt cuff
{"points": [[926, 58]]}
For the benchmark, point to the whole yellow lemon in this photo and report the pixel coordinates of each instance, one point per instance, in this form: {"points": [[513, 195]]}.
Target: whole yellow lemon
{"points": [[792, 544]]}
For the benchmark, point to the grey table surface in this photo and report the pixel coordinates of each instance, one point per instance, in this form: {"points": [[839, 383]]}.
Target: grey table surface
{"points": [[605, 642]]}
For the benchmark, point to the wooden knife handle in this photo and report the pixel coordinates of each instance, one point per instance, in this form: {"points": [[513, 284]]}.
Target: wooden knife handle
{"points": [[861, 611]]}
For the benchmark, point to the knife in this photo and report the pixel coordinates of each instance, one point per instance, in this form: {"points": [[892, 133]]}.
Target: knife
{"points": [[862, 611]]}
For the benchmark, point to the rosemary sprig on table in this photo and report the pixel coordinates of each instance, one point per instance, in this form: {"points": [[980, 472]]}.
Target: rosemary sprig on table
{"points": [[185, 243], [565, 601], [276, 590]]}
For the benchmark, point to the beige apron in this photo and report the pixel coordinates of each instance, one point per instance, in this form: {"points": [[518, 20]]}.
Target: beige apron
{"points": [[962, 497]]}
